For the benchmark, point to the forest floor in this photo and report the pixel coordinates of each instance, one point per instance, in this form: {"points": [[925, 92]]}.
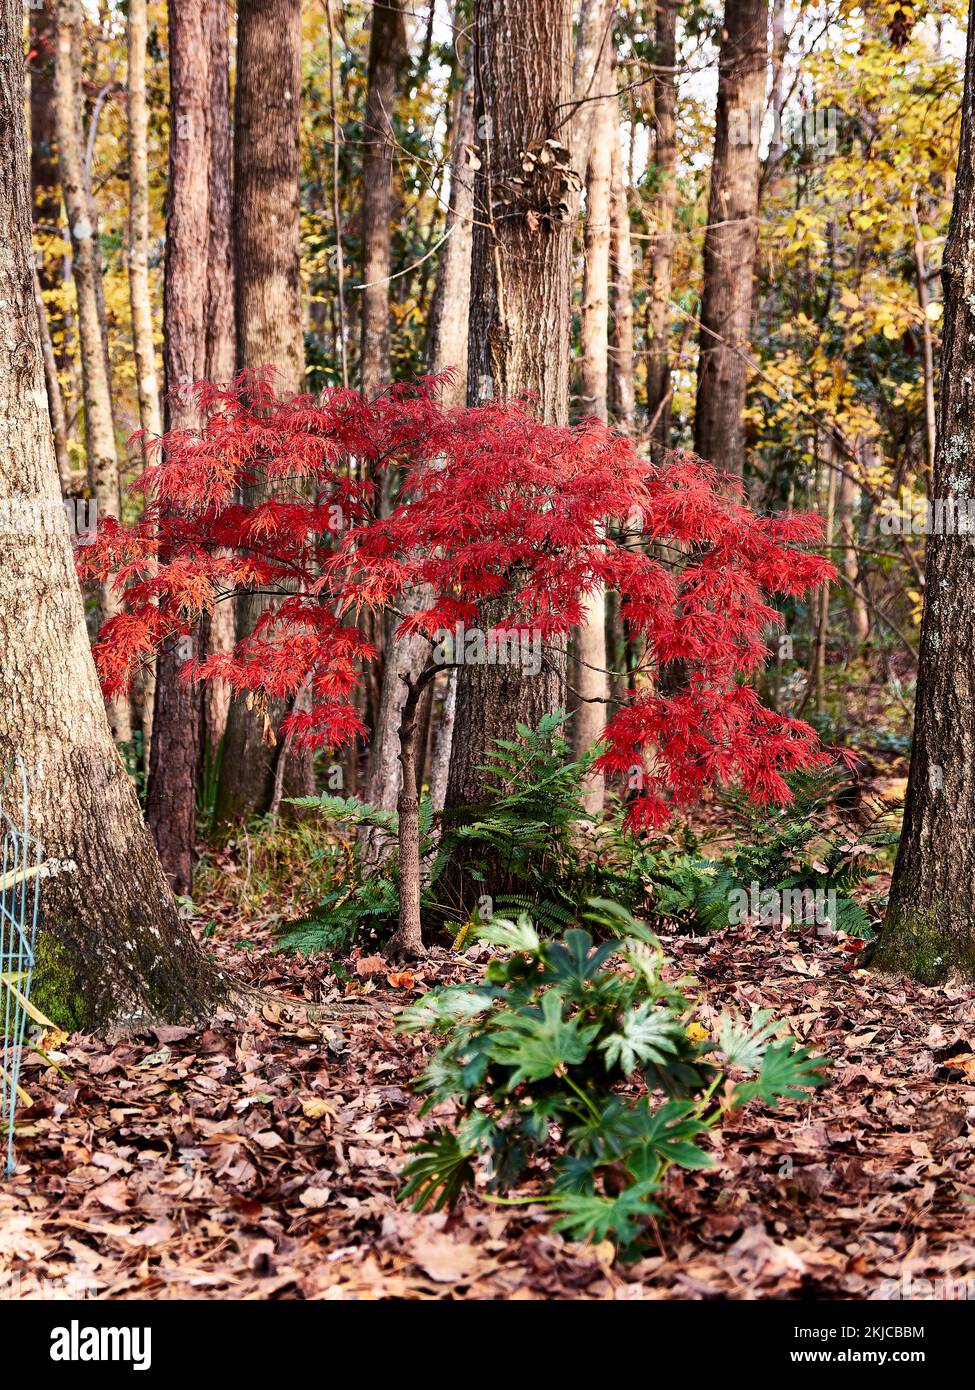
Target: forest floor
{"points": [[259, 1158]]}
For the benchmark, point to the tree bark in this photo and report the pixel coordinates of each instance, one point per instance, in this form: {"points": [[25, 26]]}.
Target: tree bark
{"points": [[387, 47], [662, 258], [732, 237], [591, 680], [44, 178], [268, 310], [171, 798], [113, 954], [139, 296], [103, 474], [930, 924], [521, 290], [55, 400], [621, 399]]}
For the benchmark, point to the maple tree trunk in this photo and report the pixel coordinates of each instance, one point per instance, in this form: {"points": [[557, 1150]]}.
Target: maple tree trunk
{"points": [[929, 928], [662, 261], [268, 313], [731, 239], [407, 940], [387, 47], [113, 954], [520, 299], [103, 474]]}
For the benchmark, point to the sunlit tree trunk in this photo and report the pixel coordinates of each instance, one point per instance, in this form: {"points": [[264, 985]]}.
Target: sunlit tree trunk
{"points": [[590, 639], [113, 953], [268, 307], [930, 924], [142, 334], [732, 237], [55, 400], [662, 255], [520, 297], [103, 473], [621, 402], [387, 45]]}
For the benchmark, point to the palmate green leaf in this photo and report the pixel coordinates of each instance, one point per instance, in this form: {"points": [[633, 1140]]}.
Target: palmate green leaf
{"points": [[744, 1041], [537, 1042], [648, 1033], [511, 936], [787, 1072], [666, 1135], [438, 1172], [444, 1009], [586, 1216], [573, 963]]}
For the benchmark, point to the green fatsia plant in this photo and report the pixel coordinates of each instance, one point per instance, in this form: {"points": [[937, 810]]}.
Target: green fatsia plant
{"points": [[585, 1055]]}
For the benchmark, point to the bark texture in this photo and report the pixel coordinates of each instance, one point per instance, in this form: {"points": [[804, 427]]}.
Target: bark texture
{"points": [[387, 47], [731, 239], [142, 334], [621, 398], [662, 258], [103, 474], [521, 290], [113, 952], [930, 923], [171, 799], [268, 307]]}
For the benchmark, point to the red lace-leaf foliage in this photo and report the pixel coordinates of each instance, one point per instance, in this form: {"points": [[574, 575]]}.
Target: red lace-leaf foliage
{"points": [[493, 517]]}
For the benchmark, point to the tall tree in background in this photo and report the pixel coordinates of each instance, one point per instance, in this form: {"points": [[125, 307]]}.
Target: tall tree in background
{"points": [[113, 953], [731, 238], [268, 303], [447, 351], [103, 465], [592, 684], [930, 923], [387, 49], [665, 203], [138, 118], [621, 398], [520, 300], [171, 799]]}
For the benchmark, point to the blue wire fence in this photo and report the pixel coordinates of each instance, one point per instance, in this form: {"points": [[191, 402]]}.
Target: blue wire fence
{"points": [[21, 859]]}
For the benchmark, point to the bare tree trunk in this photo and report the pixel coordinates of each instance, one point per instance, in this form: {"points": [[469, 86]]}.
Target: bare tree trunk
{"points": [[732, 237], [171, 800], [387, 46], [822, 624], [268, 310], [221, 358], [930, 924], [592, 683], [662, 258], [113, 953], [103, 474], [45, 183], [621, 400], [55, 401], [408, 939], [142, 335], [923, 300], [850, 562], [521, 287]]}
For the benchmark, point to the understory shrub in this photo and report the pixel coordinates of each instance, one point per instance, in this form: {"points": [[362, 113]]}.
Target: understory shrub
{"points": [[580, 1069]]}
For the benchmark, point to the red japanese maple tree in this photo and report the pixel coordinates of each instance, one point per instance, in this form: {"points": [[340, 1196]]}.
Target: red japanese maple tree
{"points": [[493, 510]]}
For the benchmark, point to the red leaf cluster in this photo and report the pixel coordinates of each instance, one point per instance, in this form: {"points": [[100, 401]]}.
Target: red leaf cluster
{"points": [[492, 510]]}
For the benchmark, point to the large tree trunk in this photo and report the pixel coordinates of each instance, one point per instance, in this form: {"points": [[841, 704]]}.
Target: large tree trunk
{"points": [[221, 354], [930, 924], [387, 47], [268, 308], [662, 256], [521, 288], [591, 680], [731, 239], [103, 474], [171, 799], [113, 952]]}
